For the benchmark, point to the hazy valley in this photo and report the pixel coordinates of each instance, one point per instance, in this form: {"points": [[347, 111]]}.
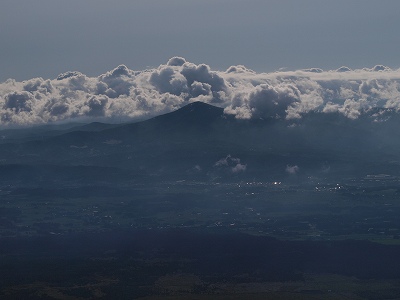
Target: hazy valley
{"points": [[193, 201]]}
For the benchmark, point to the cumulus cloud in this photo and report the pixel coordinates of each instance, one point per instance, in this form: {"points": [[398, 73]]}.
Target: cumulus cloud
{"points": [[124, 94], [18, 101], [239, 69], [292, 169], [96, 105], [343, 69], [265, 101], [176, 61], [314, 70], [239, 168], [230, 163]]}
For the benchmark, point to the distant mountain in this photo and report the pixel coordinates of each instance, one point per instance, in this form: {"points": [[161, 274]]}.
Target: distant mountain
{"points": [[35, 132], [200, 141], [94, 126]]}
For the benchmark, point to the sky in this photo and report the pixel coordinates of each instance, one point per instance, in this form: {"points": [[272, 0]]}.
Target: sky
{"points": [[44, 38], [131, 60]]}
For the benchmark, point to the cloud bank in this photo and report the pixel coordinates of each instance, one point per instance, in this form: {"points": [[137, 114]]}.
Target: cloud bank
{"points": [[123, 94]]}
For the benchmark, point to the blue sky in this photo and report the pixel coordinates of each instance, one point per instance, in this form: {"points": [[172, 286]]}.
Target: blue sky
{"points": [[44, 38]]}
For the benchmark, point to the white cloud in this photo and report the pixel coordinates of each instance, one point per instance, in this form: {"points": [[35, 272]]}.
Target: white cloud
{"points": [[124, 94]]}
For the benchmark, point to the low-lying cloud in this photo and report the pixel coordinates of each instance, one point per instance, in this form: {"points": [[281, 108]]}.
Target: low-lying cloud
{"points": [[292, 169], [123, 94], [230, 163]]}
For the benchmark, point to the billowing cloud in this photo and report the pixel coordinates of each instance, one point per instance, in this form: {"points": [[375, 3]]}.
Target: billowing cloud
{"points": [[123, 94], [265, 101], [18, 101]]}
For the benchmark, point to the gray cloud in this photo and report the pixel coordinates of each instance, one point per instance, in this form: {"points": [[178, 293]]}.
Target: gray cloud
{"points": [[18, 101], [116, 82], [239, 168], [96, 105], [265, 102], [239, 69], [188, 80], [124, 94], [343, 69], [168, 80], [230, 163], [176, 61], [68, 74], [379, 68], [55, 107], [292, 169], [314, 70], [202, 73]]}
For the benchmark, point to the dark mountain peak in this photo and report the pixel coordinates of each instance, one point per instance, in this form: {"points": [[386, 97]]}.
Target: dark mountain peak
{"points": [[196, 114], [199, 106], [95, 126], [198, 110], [194, 118]]}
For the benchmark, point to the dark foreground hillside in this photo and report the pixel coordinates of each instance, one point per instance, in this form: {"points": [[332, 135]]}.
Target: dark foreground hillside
{"points": [[190, 264]]}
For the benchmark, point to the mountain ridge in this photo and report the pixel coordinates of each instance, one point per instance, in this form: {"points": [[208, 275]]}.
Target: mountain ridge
{"points": [[200, 139]]}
